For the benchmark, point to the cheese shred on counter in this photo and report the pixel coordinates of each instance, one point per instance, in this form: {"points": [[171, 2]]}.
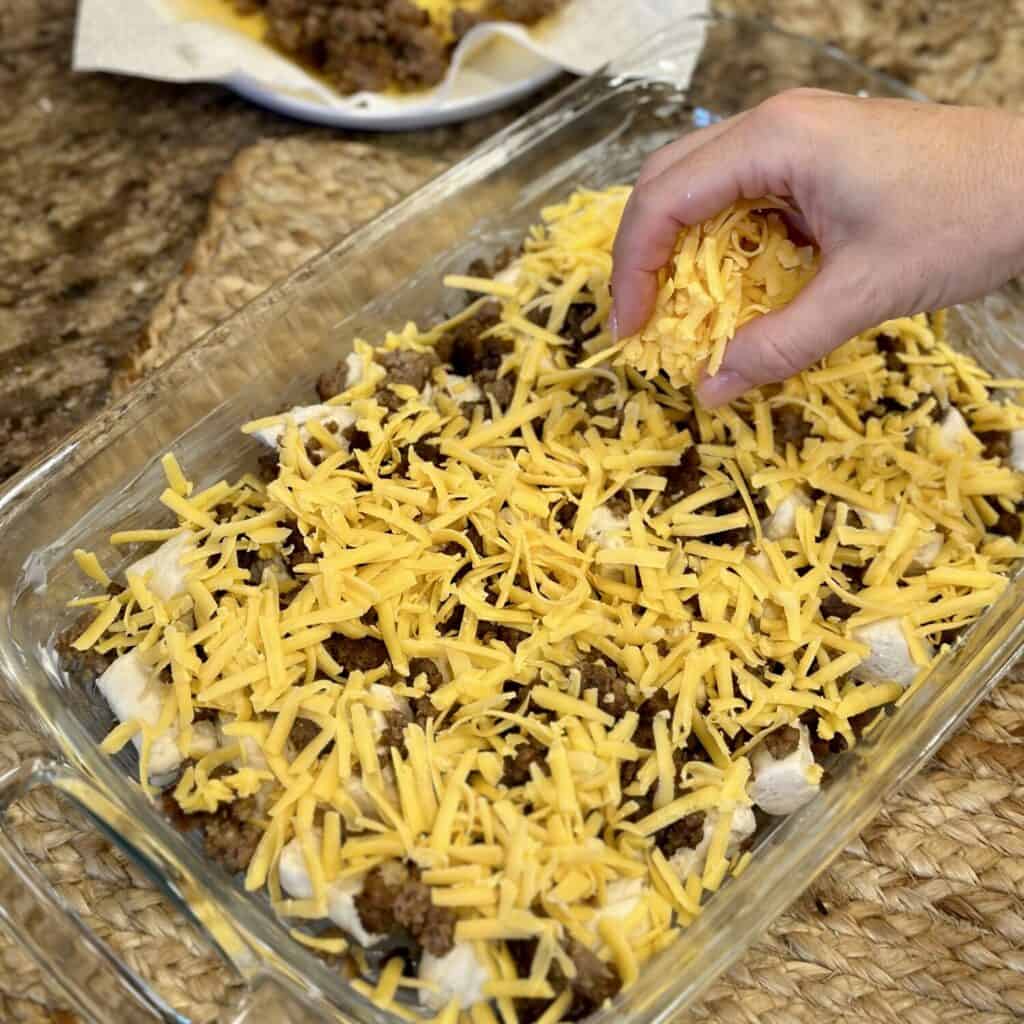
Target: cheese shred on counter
{"points": [[502, 645]]}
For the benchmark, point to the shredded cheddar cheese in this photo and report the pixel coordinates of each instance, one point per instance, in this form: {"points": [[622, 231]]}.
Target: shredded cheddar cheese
{"points": [[535, 629], [723, 273], [442, 11]]}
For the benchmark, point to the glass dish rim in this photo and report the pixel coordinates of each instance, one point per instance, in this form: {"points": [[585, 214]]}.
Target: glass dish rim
{"points": [[259, 926]]}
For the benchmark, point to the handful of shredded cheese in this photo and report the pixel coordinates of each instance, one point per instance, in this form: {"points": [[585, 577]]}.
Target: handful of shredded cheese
{"points": [[722, 274]]}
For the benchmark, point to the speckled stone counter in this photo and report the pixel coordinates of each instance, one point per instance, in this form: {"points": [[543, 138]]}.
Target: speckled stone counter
{"points": [[104, 181]]}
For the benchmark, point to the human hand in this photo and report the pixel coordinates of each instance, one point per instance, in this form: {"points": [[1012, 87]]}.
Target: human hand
{"points": [[914, 206]]}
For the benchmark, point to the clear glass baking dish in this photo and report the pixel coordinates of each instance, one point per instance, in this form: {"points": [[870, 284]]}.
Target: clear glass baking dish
{"points": [[106, 475]]}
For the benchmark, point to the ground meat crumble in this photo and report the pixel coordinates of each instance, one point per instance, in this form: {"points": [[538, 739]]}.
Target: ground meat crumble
{"points": [[790, 425], [609, 683], [517, 767], [834, 607], [594, 984], [371, 45], [230, 834], [303, 733], [685, 834], [362, 654], [406, 368], [393, 896], [393, 734], [683, 479], [84, 667], [782, 742]]}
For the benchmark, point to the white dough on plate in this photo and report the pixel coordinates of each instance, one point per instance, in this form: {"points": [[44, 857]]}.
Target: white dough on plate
{"points": [[252, 753], [953, 430], [889, 659], [135, 693], [302, 414], [880, 522], [928, 551], [782, 522], [167, 573], [622, 898], [356, 790], [395, 703], [357, 367], [762, 563], [462, 390], [607, 529], [686, 862], [341, 895], [456, 975], [1017, 450], [510, 274], [885, 522], [205, 739], [783, 785]]}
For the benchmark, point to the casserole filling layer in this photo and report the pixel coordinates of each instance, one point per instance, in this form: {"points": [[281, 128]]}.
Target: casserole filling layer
{"points": [[503, 657]]}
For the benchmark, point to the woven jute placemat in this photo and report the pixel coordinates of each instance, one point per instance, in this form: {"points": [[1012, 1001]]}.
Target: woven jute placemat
{"points": [[920, 920]]}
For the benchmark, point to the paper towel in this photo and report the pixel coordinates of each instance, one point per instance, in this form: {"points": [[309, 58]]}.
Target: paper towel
{"points": [[160, 39]]}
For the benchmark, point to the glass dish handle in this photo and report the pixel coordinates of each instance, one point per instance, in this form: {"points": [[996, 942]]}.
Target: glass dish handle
{"points": [[271, 1000], [83, 969], [74, 961]]}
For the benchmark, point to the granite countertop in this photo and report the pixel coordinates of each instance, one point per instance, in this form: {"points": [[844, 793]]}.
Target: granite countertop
{"points": [[104, 181]]}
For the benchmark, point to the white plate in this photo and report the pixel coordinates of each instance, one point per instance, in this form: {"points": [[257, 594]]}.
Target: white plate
{"points": [[494, 65], [499, 74]]}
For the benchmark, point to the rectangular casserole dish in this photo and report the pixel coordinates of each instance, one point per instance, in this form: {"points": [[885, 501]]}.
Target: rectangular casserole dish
{"points": [[107, 476]]}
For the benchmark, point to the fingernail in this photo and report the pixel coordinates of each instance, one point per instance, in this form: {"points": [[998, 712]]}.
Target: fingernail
{"points": [[723, 387], [613, 324]]}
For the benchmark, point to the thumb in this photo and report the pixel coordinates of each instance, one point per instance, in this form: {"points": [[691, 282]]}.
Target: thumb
{"points": [[837, 304]]}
